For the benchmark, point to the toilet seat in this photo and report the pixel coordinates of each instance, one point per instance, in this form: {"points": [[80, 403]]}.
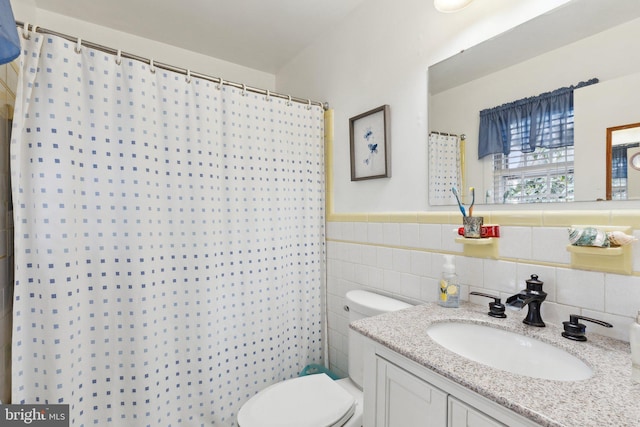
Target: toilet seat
{"points": [[309, 401]]}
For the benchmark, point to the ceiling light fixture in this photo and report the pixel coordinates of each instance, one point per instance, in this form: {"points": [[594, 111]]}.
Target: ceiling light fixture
{"points": [[449, 6]]}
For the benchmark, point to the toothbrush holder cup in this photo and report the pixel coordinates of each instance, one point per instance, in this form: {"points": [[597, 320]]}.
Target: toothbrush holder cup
{"points": [[472, 226]]}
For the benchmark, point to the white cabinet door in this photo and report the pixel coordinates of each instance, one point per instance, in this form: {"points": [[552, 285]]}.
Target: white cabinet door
{"points": [[404, 400], [462, 415]]}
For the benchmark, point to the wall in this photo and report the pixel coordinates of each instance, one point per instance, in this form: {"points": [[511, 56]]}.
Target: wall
{"points": [[380, 55], [25, 11], [379, 235], [401, 255], [8, 79]]}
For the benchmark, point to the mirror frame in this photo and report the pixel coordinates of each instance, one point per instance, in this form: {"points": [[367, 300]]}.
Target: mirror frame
{"points": [[608, 152]]}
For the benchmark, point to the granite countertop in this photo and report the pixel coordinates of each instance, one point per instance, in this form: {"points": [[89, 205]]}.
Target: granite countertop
{"points": [[609, 398]]}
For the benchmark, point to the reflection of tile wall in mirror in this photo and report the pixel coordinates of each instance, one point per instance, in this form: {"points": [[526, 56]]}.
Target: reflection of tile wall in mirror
{"points": [[8, 83]]}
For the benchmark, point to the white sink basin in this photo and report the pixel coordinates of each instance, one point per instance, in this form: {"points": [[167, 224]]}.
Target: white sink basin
{"points": [[509, 351]]}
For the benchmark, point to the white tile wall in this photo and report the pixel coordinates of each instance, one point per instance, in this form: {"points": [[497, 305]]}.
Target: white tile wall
{"points": [[391, 233], [621, 295], [430, 236], [501, 276], [516, 242], [410, 235], [374, 232], [550, 244], [413, 275], [580, 288]]}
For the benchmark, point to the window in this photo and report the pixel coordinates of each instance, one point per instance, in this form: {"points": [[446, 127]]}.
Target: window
{"points": [[531, 141], [546, 175], [543, 175]]}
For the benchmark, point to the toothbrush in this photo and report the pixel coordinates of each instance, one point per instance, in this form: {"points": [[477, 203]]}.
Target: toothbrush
{"points": [[455, 193], [472, 190]]}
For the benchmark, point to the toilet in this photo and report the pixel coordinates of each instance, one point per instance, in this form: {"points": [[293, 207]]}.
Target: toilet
{"points": [[317, 400]]}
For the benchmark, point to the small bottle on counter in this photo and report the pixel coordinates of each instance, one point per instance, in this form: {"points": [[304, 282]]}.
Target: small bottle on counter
{"points": [[634, 340], [449, 287]]}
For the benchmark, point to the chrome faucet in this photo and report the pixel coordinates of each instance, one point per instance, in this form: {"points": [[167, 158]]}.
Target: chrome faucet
{"points": [[532, 297]]}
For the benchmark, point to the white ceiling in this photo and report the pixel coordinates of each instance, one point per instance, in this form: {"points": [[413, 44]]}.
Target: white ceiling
{"points": [[259, 34]]}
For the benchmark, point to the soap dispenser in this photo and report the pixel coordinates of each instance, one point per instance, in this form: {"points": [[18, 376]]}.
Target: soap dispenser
{"points": [[449, 287], [634, 340]]}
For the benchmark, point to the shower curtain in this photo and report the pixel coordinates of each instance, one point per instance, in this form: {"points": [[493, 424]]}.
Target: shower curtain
{"points": [[444, 168], [169, 240]]}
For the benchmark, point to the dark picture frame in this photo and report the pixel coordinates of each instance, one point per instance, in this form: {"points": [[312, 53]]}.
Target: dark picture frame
{"points": [[369, 140]]}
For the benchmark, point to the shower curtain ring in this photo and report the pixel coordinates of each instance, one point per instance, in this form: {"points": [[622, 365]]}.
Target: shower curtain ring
{"points": [[244, 89], [188, 79], [220, 84], [78, 47], [268, 97], [308, 104], [25, 31], [119, 57], [288, 100], [152, 68]]}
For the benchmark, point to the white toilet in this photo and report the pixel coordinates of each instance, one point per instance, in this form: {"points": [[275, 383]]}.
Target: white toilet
{"points": [[317, 400]]}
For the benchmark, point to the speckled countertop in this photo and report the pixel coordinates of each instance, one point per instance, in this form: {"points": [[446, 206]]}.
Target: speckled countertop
{"points": [[608, 398]]}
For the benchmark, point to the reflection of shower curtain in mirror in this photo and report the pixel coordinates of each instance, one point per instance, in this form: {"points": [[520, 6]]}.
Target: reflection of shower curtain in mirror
{"points": [[444, 168]]}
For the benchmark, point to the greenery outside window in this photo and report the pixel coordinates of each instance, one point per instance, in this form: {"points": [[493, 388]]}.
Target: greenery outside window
{"points": [[546, 175]]}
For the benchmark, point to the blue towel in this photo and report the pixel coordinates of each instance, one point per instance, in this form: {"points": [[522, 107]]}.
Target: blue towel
{"points": [[9, 40]]}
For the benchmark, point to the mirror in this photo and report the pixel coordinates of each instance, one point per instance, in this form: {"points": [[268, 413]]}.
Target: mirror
{"points": [[623, 162], [575, 42]]}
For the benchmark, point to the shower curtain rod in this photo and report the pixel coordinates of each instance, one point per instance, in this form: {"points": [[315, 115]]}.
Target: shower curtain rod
{"points": [[168, 67], [462, 136], [443, 133]]}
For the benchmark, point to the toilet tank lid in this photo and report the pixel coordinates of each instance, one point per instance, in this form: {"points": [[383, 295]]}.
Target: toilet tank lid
{"points": [[371, 304]]}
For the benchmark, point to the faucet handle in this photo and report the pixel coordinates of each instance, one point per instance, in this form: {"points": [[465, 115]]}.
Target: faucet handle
{"points": [[496, 308], [574, 330]]}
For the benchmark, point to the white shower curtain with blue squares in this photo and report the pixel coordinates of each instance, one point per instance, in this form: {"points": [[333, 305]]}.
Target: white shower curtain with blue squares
{"points": [[169, 240]]}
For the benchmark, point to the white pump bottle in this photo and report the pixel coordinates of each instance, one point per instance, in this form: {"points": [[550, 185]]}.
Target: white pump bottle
{"points": [[449, 287]]}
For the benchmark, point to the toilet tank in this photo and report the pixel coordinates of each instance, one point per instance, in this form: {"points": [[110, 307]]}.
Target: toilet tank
{"points": [[365, 304]]}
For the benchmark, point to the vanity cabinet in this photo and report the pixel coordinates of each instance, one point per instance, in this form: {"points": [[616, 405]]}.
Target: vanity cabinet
{"points": [[401, 393], [404, 400]]}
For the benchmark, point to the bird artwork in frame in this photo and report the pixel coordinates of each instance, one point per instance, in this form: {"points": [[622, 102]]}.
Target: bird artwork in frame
{"points": [[369, 138]]}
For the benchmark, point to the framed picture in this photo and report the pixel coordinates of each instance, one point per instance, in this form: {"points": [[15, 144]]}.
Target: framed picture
{"points": [[369, 137]]}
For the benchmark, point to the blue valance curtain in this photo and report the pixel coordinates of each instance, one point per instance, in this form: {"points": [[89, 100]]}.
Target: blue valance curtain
{"points": [[619, 160], [545, 120]]}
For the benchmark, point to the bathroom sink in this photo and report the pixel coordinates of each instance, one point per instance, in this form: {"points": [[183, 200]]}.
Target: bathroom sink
{"points": [[509, 351]]}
